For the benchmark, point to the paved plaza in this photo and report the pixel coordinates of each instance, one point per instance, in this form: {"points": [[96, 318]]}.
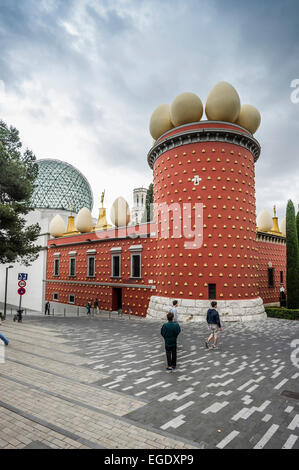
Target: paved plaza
{"points": [[100, 382]]}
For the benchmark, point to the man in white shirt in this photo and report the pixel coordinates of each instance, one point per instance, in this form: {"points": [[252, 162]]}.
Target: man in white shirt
{"points": [[174, 311]]}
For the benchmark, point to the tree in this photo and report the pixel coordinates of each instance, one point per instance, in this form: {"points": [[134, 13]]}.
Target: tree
{"points": [[297, 225], [292, 258], [149, 200], [18, 172]]}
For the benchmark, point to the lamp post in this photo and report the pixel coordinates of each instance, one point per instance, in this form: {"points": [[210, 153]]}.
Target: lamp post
{"points": [[5, 299]]}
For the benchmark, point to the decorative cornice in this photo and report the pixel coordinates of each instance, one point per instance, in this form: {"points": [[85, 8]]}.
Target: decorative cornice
{"points": [[270, 238], [204, 134], [107, 284]]}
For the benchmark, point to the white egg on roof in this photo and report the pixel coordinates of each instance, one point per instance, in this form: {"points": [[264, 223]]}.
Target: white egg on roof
{"points": [[264, 221], [57, 226]]}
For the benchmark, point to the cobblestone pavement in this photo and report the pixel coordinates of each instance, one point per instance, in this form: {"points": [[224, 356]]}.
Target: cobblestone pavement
{"points": [[101, 383]]}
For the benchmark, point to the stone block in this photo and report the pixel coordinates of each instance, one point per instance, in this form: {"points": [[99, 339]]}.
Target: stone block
{"points": [[188, 303], [224, 311], [230, 310], [203, 303]]}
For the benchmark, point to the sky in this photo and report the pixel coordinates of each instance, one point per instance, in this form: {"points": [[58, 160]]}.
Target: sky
{"points": [[80, 79]]}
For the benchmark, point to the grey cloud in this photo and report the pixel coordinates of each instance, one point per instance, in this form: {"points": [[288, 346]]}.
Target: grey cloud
{"points": [[112, 24]]}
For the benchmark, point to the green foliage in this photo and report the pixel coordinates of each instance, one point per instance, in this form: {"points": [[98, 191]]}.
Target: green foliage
{"points": [[148, 212], [18, 172], [297, 225], [292, 258], [286, 313]]}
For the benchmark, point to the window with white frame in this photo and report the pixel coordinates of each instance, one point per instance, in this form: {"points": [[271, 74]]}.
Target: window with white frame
{"points": [[71, 299], [56, 266], [136, 265], [91, 266], [116, 259], [55, 296], [72, 267]]}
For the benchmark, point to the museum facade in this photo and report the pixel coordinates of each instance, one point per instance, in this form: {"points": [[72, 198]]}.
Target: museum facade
{"points": [[203, 244]]}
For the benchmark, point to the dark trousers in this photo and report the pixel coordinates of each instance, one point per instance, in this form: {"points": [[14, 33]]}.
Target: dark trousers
{"points": [[171, 355]]}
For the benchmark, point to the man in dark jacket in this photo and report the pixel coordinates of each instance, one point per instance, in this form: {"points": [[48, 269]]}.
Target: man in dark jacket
{"points": [[214, 324], [47, 308], [170, 332]]}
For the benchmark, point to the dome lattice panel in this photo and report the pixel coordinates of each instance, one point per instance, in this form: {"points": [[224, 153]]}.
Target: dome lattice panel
{"points": [[59, 184]]}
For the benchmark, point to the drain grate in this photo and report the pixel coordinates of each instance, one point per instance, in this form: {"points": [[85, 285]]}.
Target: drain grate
{"points": [[289, 394]]}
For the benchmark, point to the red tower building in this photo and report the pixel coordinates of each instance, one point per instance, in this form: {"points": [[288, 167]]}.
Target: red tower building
{"points": [[210, 166]]}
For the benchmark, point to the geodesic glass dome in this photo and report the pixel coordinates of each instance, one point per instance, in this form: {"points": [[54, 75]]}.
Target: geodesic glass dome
{"points": [[58, 184]]}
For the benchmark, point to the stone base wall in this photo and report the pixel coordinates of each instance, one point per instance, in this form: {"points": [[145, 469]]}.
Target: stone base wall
{"points": [[196, 310]]}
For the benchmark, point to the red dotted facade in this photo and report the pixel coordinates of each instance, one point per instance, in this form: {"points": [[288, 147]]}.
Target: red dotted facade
{"points": [[272, 256], [223, 251], [228, 255], [102, 285]]}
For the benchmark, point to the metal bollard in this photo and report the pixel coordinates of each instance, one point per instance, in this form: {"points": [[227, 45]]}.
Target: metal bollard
{"points": [[109, 315], [77, 311], [64, 312], [53, 312]]}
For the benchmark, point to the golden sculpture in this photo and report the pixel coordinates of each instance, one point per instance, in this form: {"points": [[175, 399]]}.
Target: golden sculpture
{"points": [[102, 223], [71, 229], [275, 228]]}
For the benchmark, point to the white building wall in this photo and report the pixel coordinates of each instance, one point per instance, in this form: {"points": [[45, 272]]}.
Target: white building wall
{"points": [[35, 287]]}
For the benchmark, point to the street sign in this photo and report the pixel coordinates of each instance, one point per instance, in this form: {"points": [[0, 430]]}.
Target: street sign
{"points": [[21, 291], [22, 276], [22, 283]]}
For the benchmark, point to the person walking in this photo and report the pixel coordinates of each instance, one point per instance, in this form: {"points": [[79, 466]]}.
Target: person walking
{"points": [[173, 310], [4, 339], [96, 305], [214, 324], [170, 332], [88, 306], [47, 308]]}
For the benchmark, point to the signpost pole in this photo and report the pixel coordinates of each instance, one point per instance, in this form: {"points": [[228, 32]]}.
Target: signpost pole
{"points": [[22, 278]]}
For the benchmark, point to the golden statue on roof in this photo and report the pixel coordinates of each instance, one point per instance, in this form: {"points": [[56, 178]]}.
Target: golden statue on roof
{"points": [[102, 223]]}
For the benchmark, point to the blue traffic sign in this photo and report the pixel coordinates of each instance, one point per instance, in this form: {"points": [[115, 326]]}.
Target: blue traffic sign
{"points": [[22, 277]]}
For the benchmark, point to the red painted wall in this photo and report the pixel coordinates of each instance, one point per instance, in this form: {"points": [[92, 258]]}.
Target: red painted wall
{"points": [[276, 254], [134, 298], [228, 256]]}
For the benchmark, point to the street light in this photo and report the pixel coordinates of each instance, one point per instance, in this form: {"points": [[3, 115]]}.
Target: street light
{"points": [[4, 313]]}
